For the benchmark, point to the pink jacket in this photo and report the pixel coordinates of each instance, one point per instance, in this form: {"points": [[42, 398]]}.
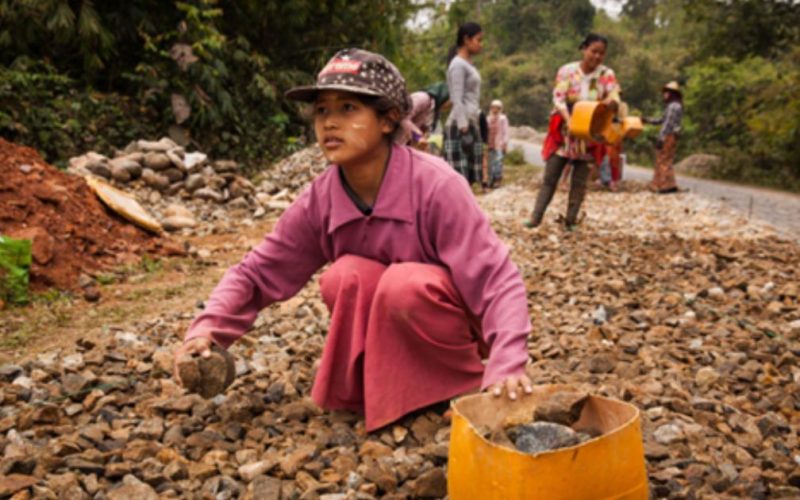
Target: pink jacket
{"points": [[425, 212], [420, 119], [498, 131]]}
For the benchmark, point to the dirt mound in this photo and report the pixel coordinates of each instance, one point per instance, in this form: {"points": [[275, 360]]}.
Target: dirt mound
{"points": [[72, 232]]}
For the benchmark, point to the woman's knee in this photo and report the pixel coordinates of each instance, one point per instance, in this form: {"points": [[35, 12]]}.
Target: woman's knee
{"points": [[407, 288], [348, 272], [553, 169]]}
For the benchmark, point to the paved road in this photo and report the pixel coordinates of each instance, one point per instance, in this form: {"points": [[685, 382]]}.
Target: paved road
{"points": [[780, 209]]}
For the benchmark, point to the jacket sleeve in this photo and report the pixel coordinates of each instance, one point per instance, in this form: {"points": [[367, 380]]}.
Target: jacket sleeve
{"points": [[456, 76], [504, 138], [561, 88], [482, 271], [273, 271], [671, 121]]}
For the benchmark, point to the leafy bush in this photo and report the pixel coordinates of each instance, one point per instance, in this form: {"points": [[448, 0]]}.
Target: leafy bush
{"points": [[748, 112], [211, 72], [49, 111], [514, 157]]}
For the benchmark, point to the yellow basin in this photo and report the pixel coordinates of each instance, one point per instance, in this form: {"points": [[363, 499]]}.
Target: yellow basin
{"points": [[614, 134], [590, 120], [632, 126], [609, 466]]}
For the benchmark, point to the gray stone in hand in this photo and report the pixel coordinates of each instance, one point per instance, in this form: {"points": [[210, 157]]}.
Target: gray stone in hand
{"points": [[542, 436], [207, 376]]}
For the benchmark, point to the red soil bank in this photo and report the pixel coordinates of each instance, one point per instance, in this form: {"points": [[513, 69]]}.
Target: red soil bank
{"points": [[71, 230]]}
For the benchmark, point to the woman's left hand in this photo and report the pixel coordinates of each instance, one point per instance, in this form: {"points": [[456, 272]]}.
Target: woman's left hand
{"points": [[513, 385]]}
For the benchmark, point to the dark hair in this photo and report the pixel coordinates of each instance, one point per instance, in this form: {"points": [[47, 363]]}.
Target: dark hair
{"points": [[382, 106], [674, 96], [467, 30], [440, 95], [591, 38], [483, 125]]}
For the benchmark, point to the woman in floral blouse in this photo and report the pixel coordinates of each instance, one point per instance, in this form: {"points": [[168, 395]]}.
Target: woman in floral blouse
{"points": [[584, 80]]}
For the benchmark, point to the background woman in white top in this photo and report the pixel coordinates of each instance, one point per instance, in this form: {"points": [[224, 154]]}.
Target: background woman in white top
{"points": [[463, 148]]}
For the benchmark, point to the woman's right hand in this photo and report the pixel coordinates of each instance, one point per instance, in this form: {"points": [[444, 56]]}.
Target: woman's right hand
{"points": [[198, 345]]}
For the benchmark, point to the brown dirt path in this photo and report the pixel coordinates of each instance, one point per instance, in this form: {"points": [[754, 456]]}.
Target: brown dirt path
{"points": [[136, 293]]}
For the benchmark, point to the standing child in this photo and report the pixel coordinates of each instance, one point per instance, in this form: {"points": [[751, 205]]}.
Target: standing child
{"points": [[420, 288], [498, 142]]}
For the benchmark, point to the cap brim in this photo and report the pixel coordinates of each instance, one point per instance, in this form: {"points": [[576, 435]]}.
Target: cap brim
{"points": [[309, 93]]}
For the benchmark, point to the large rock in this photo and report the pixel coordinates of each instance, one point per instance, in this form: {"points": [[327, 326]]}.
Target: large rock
{"points": [[561, 408], [241, 187], [525, 133], [128, 164], [194, 182], [177, 222], [194, 161], [13, 483], [157, 161], [249, 472], [82, 161], [173, 174], [209, 194], [207, 376], [133, 489], [162, 145], [119, 174], [431, 484], [225, 166], [176, 157], [99, 169], [175, 209], [264, 488], [154, 180], [701, 165], [216, 182]]}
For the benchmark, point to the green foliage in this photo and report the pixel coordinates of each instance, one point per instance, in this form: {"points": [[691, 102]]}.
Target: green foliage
{"points": [[745, 28], [749, 112], [514, 157], [526, 25], [52, 112], [15, 263], [150, 265], [108, 72], [422, 57], [229, 62], [526, 43]]}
